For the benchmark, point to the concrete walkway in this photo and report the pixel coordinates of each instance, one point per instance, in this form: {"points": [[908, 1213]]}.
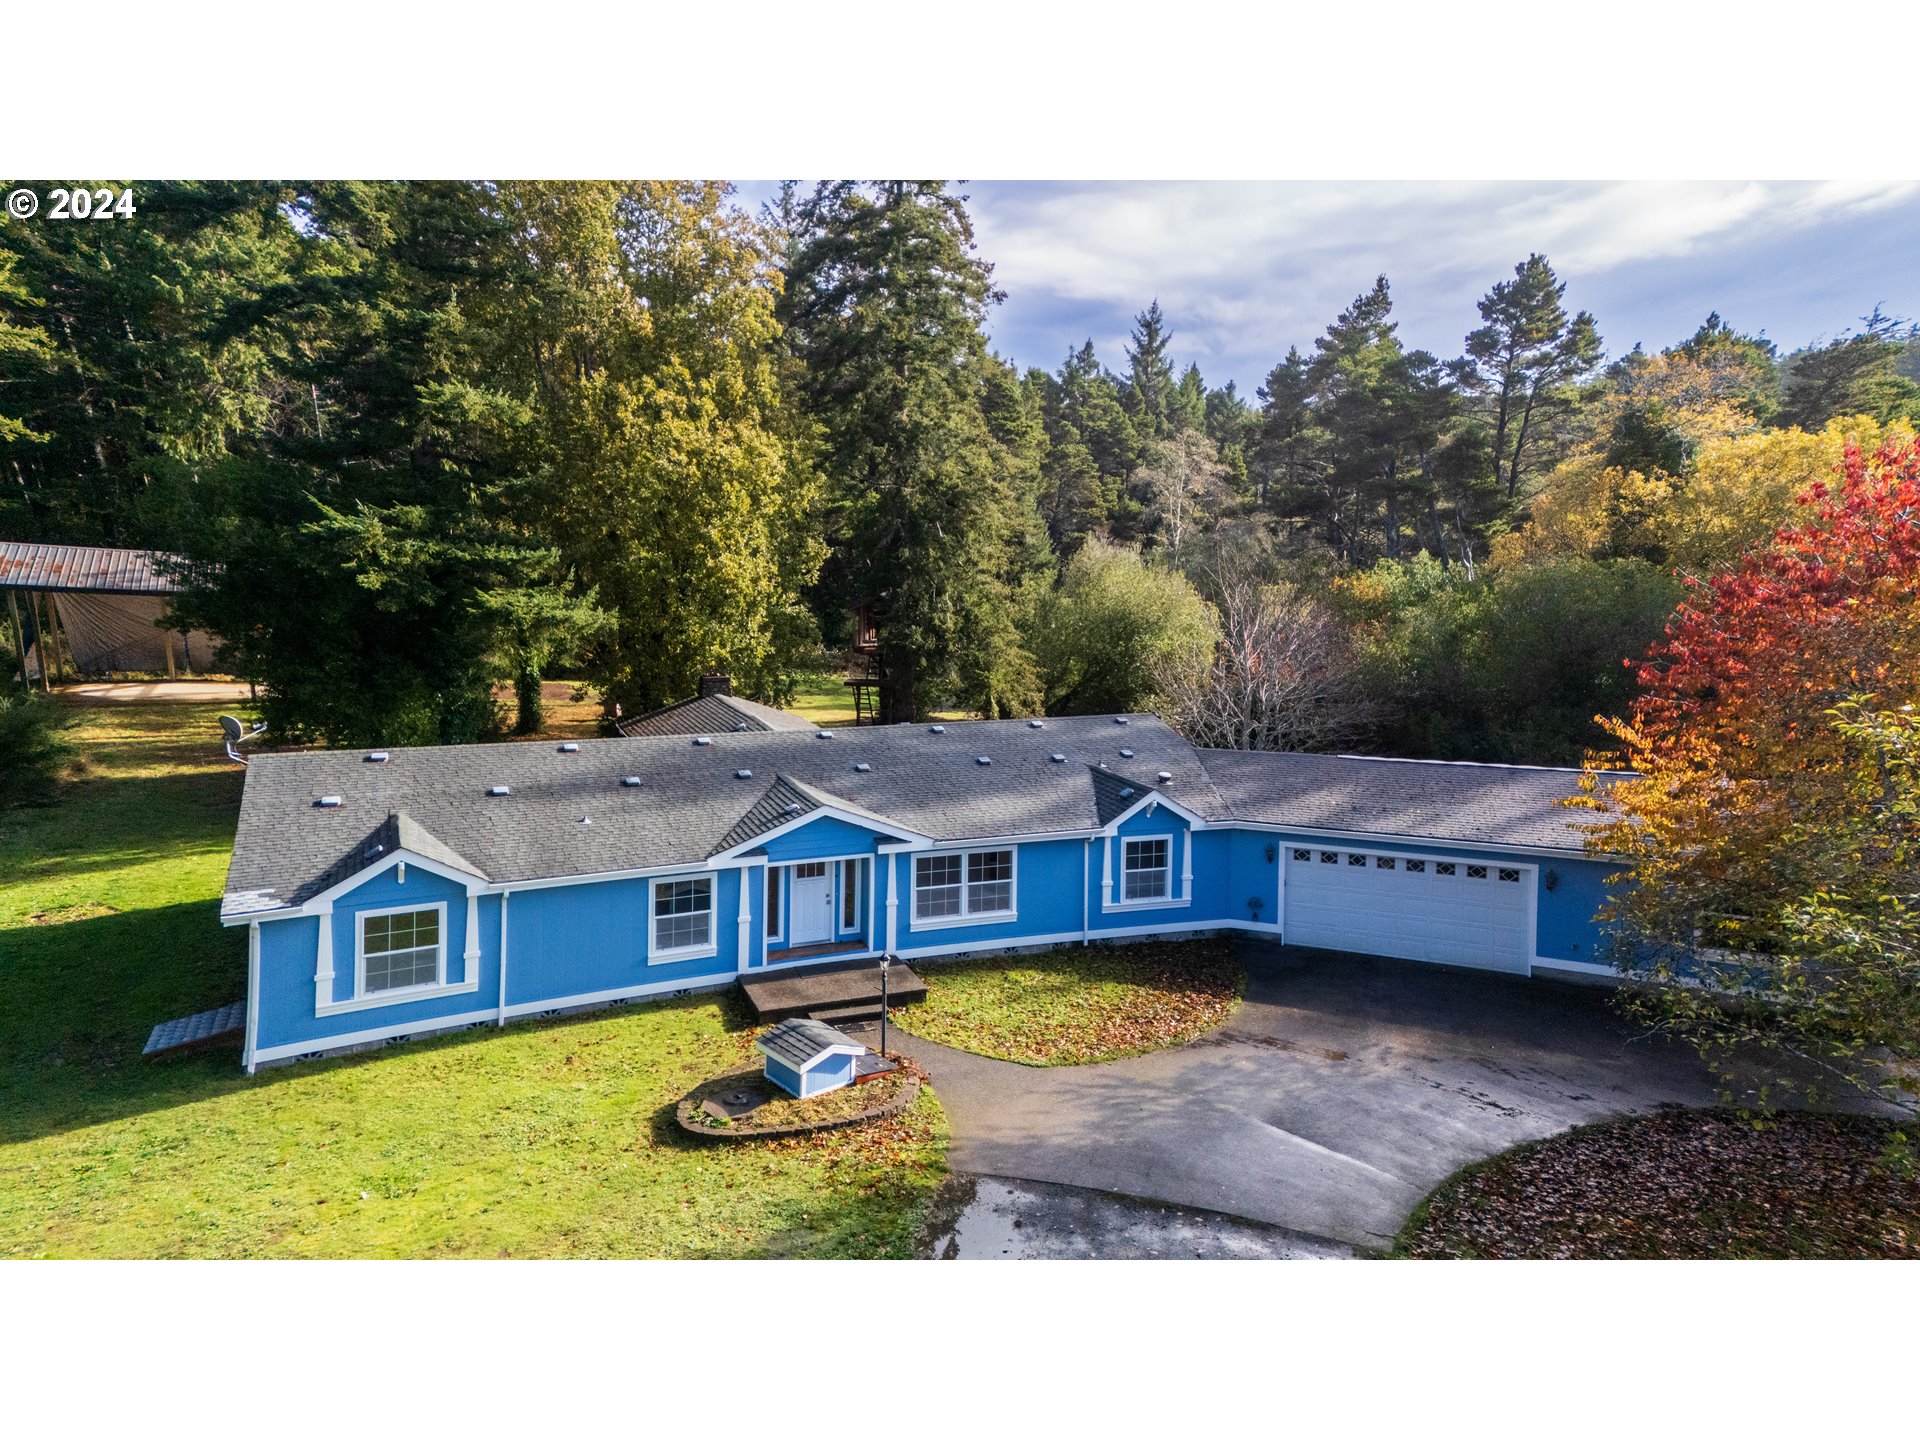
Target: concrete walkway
{"points": [[1341, 1092]]}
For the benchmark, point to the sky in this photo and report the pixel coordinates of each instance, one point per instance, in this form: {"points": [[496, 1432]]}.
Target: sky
{"points": [[1243, 269]]}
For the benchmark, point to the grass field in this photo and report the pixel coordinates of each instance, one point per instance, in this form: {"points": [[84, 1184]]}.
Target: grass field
{"points": [[1079, 1006], [544, 1139]]}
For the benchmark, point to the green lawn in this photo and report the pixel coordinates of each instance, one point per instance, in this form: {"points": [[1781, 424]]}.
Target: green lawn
{"points": [[1079, 1005], [548, 1139]]}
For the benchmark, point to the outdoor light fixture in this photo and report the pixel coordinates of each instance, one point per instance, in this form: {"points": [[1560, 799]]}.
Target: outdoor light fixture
{"points": [[1552, 878], [1273, 852]]}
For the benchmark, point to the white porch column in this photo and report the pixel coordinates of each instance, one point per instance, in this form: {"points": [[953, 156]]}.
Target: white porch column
{"points": [[1186, 869], [323, 962], [1106, 872], [893, 906], [472, 955], [253, 995], [746, 915]]}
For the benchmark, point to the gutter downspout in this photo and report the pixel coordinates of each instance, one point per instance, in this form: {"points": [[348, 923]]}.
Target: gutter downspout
{"points": [[253, 995], [501, 1020]]}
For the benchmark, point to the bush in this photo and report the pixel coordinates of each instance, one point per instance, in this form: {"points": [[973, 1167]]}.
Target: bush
{"points": [[32, 749]]}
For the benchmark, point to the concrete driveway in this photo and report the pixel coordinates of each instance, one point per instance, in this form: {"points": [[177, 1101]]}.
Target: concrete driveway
{"points": [[1339, 1094]]}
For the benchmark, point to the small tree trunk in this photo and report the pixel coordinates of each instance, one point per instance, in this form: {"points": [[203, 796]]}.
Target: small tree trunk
{"points": [[530, 710]]}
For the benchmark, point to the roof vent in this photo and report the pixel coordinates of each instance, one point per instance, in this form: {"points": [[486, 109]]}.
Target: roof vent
{"points": [[499, 790], [1165, 775], [1103, 764], [1126, 754], [936, 729], [703, 739], [1057, 758], [824, 735], [1119, 719], [570, 747], [862, 766], [586, 820], [328, 802], [791, 810], [1036, 724], [743, 774], [738, 726], [631, 782], [378, 757], [1126, 792], [983, 760]]}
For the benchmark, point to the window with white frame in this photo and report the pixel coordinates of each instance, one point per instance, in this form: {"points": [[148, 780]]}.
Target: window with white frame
{"points": [[682, 914], [400, 950], [953, 887], [1144, 869]]}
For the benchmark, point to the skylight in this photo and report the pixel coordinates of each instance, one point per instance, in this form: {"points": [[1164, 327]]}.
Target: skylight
{"points": [[570, 747], [936, 729], [1057, 758], [1036, 724], [703, 739], [862, 766], [378, 757], [1126, 754], [743, 774], [328, 802], [499, 790], [631, 781], [983, 760]]}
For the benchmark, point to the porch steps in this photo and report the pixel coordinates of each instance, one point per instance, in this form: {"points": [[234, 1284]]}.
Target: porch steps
{"points": [[837, 994]]}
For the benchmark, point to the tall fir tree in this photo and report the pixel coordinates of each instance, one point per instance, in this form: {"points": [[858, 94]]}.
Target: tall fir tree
{"points": [[884, 306], [1150, 383]]}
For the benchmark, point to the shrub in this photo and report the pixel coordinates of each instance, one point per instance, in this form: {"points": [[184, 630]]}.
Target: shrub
{"points": [[32, 749]]}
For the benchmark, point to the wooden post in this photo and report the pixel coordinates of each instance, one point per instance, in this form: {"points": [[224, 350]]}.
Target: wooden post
{"points": [[52, 640], [19, 638], [166, 639], [45, 687]]}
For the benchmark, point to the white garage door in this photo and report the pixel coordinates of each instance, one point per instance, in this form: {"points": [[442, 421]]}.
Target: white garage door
{"points": [[1416, 908]]}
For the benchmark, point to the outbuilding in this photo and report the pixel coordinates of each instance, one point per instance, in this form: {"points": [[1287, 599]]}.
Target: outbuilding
{"points": [[809, 1057]]}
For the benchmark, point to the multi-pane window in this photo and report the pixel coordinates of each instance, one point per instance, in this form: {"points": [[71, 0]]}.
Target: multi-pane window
{"points": [[936, 886], [401, 951], [947, 887], [682, 914], [1303, 854], [989, 881], [1144, 870], [1510, 876]]}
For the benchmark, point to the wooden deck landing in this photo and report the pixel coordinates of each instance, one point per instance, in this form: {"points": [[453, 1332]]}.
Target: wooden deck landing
{"points": [[838, 994]]}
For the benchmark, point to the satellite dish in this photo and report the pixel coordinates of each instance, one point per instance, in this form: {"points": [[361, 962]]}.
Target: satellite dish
{"points": [[236, 734], [235, 731]]}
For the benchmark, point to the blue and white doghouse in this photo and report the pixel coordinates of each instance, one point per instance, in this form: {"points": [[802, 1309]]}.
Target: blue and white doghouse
{"points": [[809, 1057]]}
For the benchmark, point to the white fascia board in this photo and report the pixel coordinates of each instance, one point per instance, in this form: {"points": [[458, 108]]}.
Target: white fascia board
{"points": [[323, 902], [1149, 800], [1389, 837], [833, 812]]}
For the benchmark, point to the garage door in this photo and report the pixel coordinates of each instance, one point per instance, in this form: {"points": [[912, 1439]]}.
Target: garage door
{"points": [[1447, 911]]}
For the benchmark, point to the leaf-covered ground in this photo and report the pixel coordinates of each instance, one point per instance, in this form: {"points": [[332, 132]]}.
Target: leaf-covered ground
{"points": [[545, 1139], [1680, 1185], [777, 1109], [1079, 1006]]}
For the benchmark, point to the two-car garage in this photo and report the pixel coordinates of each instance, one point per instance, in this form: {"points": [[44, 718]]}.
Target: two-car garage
{"points": [[1416, 907]]}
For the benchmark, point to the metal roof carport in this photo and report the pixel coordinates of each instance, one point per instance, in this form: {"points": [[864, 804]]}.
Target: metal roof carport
{"points": [[107, 605]]}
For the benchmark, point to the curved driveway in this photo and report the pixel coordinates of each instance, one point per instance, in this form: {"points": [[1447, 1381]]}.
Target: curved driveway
{"points": [[1340, 1093]]}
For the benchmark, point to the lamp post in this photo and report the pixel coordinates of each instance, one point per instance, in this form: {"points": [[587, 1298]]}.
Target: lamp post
{"points": [[885, 962]]}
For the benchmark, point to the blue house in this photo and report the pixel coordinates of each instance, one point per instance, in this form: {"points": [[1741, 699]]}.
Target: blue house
{"points": [[395, 893]]}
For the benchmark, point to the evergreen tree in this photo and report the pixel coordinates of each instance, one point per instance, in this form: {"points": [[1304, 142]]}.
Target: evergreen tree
{"points": [[1188, 408], [1857, 374], [884, 305], [1522, 364], [1150, 382]]}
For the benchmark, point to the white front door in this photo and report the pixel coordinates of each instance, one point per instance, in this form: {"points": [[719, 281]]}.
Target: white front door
{"points": [[812, 904]]}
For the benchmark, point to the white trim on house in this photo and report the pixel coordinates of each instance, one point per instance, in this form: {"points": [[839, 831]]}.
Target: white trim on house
{"points": [[1380, 837], [1180, 900], [681, 953], [466, 879], [362, 998], [873, 824], [253, 995], [1151, 801], [1004, 916], [700, 983], [502, 1020]]}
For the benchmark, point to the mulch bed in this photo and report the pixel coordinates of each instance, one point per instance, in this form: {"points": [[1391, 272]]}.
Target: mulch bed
{"points": [[778, 1114], [1079, 1005], [1681, 1185]]}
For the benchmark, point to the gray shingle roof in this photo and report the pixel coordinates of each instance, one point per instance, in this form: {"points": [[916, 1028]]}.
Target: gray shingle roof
{"points": [[713, 715], [1420, 799], [692, 801], [800, 1042]]}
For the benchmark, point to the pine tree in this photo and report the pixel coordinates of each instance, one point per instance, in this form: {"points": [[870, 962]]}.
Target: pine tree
{"points": [[1150, 382], [1522, 363]]}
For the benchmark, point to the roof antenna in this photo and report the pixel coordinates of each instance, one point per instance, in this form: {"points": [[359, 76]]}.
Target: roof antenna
{"points": [[235, 735]]}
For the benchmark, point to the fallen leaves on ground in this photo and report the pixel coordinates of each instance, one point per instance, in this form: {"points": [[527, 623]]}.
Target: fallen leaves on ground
{"points": [[1682, 1184], [1079, 1005]]}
